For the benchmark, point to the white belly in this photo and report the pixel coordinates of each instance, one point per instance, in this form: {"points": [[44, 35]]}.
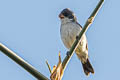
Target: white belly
{"points": [[69, 32]]}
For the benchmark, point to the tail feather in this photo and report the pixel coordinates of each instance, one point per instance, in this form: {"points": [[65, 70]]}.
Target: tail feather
{"points": [[87, 67]]}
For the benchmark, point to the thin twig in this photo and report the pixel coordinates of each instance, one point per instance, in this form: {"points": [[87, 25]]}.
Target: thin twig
{"points": [[22, 63], [49, 67]]}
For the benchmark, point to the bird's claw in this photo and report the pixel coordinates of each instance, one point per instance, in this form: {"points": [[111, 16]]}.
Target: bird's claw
{"points": [[77, 37], [68, 53]]}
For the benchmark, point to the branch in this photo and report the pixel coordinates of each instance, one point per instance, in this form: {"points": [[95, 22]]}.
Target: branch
{"points": [[84, 29], [22, 63], [49, 67]]}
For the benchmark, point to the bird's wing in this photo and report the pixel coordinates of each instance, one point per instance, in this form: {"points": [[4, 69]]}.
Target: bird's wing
{"points": [[86, 39], [79, 25]]}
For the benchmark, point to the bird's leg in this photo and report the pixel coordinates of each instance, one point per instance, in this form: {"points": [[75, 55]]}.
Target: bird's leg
{"points": [[77, 37], [68, 53]]}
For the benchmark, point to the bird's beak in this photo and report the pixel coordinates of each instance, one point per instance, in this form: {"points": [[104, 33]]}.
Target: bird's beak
{"points": [[61, 16]]}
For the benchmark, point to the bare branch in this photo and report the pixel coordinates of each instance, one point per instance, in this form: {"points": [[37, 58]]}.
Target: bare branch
{"points": [[48, 67], [22, 62]]}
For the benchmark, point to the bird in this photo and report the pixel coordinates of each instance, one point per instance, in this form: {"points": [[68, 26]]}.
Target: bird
{"points": [[69, 29]]}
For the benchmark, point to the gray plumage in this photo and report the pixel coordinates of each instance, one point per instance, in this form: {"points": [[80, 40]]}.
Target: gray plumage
{"points": [[69, 29]]}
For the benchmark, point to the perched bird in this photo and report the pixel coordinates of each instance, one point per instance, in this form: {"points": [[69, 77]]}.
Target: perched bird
{"points": [[69, 29]]}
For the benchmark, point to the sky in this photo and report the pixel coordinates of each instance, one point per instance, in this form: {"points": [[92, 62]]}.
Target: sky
{"points": [[31, 28]]}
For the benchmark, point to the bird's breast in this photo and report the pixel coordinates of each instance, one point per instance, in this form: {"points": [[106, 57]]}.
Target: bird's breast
{"points": [[69, 31]]}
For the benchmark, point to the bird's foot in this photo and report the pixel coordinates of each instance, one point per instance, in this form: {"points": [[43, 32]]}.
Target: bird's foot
{"points": [[77, 37], [68, 53]]}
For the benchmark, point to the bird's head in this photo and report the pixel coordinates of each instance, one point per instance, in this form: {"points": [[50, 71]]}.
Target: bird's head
{"points": [[67, 14]]}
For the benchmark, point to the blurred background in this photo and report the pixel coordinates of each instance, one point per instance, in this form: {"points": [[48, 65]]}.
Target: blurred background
{"points": [[31, 28]]}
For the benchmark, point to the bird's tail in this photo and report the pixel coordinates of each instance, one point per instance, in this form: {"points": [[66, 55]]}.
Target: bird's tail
{"points": [[87, 67]]}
